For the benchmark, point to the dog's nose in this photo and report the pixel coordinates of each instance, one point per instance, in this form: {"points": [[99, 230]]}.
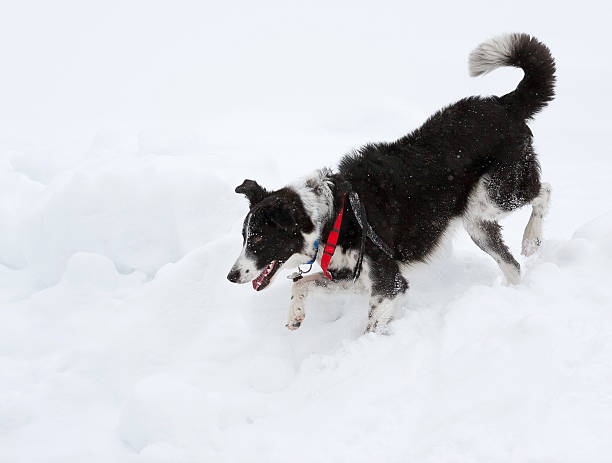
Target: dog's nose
{"points": [[233, 275]]}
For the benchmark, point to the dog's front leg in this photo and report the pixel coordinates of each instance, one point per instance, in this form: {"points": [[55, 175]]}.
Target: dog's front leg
{"points": [[387, 285], [299, 292]]}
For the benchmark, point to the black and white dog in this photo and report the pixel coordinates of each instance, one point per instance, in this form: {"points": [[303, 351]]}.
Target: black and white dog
{"points": [[471, 161]]}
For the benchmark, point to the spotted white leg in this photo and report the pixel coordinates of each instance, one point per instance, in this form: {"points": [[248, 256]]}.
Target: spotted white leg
{"points": [[387, 284], [532, 237], [381, 313], [299, 292]]}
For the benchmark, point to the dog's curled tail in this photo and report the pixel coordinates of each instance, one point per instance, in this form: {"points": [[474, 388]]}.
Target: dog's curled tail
{"points": [[523, 51]]}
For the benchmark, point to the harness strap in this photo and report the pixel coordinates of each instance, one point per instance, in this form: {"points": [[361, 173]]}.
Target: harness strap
{"points": [[362, 220], [357, 269]]}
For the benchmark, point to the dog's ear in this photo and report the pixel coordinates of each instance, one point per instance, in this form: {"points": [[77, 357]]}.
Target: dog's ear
{"points": [[252, 190], [283, 217]]}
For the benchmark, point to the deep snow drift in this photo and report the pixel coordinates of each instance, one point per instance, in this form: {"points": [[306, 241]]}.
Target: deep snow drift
{"points": [[122, 341]]}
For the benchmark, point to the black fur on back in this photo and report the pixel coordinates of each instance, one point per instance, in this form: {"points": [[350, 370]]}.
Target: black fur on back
{"points": [[413, 187]]}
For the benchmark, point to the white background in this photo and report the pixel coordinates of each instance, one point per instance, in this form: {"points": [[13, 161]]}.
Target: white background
{"points": [[125, 126]]}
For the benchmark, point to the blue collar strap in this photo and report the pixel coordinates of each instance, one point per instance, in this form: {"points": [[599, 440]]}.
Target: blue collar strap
{"points": [[316, 245]]}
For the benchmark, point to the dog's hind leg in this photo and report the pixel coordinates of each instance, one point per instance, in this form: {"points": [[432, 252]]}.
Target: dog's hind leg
{"points": [[532, 237], [492, 199], [487, 236]]}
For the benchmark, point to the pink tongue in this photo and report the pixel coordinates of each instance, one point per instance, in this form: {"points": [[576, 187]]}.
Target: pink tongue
{"points": [[257, 281]]}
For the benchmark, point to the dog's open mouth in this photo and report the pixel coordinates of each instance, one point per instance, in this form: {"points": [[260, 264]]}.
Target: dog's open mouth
{"points": [[265, 277]]}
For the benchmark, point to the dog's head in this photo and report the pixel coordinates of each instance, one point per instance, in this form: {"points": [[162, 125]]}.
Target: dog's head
{"points": [[276, 230]]}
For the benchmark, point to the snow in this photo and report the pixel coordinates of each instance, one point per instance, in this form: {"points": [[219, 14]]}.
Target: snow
{"points": [[124, 129]]}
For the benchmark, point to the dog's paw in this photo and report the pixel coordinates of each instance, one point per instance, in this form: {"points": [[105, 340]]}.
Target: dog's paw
{"points": [[378, 327], [296, 316], [512, 272], [532, 237], [530, 245]]}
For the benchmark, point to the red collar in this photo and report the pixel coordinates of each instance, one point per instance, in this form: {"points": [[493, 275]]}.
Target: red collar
{"points": [[332, 240]]}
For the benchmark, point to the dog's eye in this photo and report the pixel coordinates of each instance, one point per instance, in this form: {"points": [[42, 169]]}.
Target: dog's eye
{"points": [[257, 239]]}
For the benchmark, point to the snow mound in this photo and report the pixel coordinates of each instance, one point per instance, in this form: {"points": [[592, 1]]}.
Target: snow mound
{"points": [[184, 366]]}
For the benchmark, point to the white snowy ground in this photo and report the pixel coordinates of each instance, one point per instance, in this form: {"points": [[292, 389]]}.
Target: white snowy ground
{"points": [[124, 129]]}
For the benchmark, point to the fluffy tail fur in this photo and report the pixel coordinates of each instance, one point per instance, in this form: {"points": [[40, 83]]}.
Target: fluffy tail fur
{"points": [[523, 51]]}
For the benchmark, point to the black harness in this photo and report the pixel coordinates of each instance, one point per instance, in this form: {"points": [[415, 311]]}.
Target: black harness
{"points": [[366, 232]]}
